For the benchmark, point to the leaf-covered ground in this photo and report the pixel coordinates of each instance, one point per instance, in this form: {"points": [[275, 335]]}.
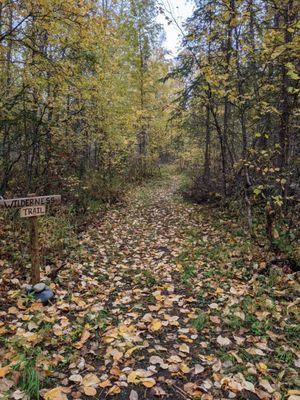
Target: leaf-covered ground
{"points": [[162, 299]]}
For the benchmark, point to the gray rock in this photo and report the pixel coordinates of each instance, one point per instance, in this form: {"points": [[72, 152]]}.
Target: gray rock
{"points": [[39, 287], [44, 296], [26, 287]]}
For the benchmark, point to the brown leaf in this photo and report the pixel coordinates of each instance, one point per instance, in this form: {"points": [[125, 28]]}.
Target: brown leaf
{"points": [[75, 378], [89, 391], [84, 337], [90, 380], [223, 341], [248, 395]]}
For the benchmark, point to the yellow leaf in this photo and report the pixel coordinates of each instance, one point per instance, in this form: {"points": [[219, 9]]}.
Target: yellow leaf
{"points": [[130, 351], [114, 390], [293, 392], [55, 394], [149, 382], [185, 338], [4, 371], [133, 377], [184, 368], [262, 367], [184, 348], [105, 383], [155, 325], [84, 337], [219, 290]]}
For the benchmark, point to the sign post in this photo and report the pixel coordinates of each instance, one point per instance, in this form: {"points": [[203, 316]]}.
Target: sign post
{"points": [[34, 247], [32, 207]]}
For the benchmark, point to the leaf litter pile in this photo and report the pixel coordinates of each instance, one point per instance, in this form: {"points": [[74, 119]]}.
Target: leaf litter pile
{"points": [[163, 299]]}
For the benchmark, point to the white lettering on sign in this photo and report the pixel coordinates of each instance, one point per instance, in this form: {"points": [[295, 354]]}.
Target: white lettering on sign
{"points": [[30, 201], [28, 212]]}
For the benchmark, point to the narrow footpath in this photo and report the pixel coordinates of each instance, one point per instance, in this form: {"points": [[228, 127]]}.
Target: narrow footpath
{"points": [[164, 300]]}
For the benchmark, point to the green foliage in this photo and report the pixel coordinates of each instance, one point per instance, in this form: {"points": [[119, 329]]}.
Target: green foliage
{"points": [[238, 113], [30, 382], [27, 363], [150, 278], [189, 272], [85, 115], [285, 356], [200, 321], [233, 322]]}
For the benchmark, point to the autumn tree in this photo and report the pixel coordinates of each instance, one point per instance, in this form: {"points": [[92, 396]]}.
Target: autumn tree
{"points": [[240, 96], [79, 83]]}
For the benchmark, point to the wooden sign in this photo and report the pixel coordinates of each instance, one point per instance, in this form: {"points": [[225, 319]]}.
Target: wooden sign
{"points": [[32, 207], [30, 201], [28, 212]]}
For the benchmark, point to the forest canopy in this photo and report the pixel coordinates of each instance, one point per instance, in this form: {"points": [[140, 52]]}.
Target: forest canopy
{"points": [[81, 94]]}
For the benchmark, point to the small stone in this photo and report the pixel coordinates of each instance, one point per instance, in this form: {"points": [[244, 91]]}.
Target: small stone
{"points": [[45, 296], [26, 287], [39, 287]]}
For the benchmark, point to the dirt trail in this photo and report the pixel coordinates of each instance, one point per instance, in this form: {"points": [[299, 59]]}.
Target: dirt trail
{"points": [[160, 300]]}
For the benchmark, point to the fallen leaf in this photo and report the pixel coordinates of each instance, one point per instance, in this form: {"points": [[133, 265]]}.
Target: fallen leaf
{"points": [[266, 385], [105, 383], [192, 389], [155, 325], [90, 380], [75, 378], [174, 359], [18, 394], [4, 371], [262, 367], [184, 368], [114, 390], [133, 377], [89, 390], [198, 369], [116, 354], [55, 394], [158, 391], [149, 382], [156, 360], [184, 348], [84, 337], [133, 395], [223, 341]]}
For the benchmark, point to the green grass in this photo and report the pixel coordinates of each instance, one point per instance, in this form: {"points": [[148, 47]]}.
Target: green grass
{"points": [[200, 321], [189, 272], [30, 382], [99, 319], [285, 356], [150, 278], [292, 332], [234, 322]]}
